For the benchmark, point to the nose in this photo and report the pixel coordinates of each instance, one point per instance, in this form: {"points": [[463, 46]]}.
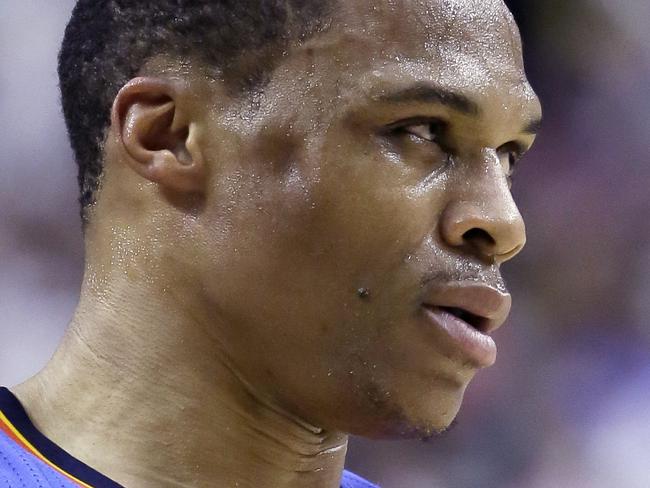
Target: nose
{"points": [[484, 220]]}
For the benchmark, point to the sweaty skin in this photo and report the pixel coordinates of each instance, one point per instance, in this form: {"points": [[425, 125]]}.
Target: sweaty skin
{"points": [[256, 267]]}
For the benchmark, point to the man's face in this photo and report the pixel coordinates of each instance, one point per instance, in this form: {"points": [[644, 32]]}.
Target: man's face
{"points": [[366, 180]]}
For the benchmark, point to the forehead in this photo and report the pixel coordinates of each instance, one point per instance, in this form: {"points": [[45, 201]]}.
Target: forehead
{"points": [[472, 46], [374, 47], [456, 37]]}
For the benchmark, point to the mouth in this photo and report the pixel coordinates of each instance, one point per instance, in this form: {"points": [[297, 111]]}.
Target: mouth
{"points": [[475, 321], [467, 314]]}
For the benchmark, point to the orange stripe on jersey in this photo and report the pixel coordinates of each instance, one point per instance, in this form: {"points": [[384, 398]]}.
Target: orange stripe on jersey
{"points": [[5, 428], [15, 435]]}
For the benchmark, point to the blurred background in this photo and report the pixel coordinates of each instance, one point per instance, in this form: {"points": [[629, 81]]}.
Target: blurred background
{"points": [[568, 402]]}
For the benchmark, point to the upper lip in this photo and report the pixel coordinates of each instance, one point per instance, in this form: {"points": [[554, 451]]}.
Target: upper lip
{"points": [[488, 307]]}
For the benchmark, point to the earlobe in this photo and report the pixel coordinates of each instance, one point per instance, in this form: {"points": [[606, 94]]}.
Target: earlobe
{"points": [[158, 136]]}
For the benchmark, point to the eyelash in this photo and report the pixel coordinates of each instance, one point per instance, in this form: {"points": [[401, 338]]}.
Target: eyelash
{"points": [[515, 154], [436, 126]]}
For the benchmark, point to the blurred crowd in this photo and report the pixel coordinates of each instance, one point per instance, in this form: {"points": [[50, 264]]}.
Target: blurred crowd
{"points": [[568, 403]]}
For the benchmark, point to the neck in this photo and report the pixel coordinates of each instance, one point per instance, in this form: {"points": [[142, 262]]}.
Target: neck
{"points": [[160, 404]]}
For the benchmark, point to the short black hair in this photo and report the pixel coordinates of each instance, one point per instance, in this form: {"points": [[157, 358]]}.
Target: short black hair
{"points": [[107, 42]]}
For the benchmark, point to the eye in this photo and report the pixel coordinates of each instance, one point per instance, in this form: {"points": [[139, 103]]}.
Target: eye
{"points": [[510, 155], [430, 131], [419, 143], [513, 159]]}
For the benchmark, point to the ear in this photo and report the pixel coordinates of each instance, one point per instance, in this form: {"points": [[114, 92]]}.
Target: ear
{"points": [[153, 120]]}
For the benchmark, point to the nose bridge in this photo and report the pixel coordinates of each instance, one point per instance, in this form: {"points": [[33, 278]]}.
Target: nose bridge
{"points": [[480, 215]]}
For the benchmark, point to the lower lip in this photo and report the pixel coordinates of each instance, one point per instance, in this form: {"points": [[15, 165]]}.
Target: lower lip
{"points": [[472, 344]]}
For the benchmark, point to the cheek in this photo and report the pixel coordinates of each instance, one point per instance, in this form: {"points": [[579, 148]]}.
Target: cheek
{"points": [[370, 208], [287, 257]]}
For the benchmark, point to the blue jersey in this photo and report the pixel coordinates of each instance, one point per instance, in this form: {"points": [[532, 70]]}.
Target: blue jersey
{"points": [[28, 459]]}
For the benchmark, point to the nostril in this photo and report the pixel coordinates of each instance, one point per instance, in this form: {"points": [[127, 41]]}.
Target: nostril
{"points": [[478, 236]]}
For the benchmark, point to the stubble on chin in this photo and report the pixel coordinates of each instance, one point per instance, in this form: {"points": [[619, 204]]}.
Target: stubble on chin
{"points": [[395, 421]]}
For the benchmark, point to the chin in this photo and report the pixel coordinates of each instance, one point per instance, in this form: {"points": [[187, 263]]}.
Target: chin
{"points": [[418, 415]]}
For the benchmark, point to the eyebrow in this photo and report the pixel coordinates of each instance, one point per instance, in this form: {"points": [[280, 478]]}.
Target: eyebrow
{"points": [[424, 93], [533, 127]]}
